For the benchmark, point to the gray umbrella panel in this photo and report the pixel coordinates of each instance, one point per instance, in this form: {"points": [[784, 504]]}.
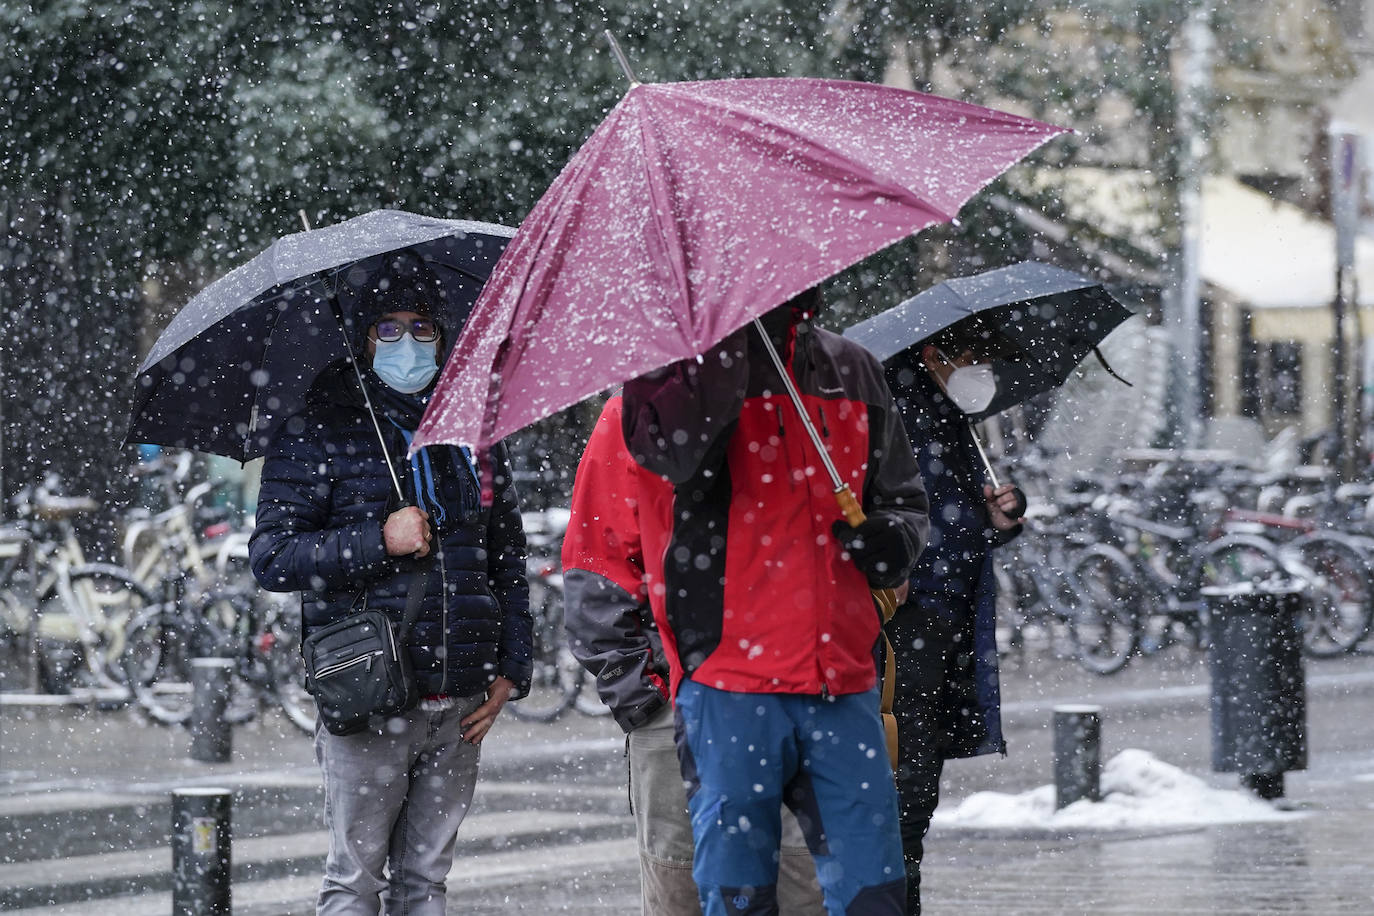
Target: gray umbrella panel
{"points": [[302, 255]]}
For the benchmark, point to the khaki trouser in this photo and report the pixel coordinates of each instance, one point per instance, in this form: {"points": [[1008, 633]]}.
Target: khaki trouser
{"points": [[664, 831]]}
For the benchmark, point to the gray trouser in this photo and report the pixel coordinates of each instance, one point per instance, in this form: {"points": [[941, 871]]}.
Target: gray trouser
{"points": [[393, 802], [665, 833]]}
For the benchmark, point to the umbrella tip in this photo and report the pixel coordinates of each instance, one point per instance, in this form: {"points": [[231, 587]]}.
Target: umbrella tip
{"points": [[621, 58]]}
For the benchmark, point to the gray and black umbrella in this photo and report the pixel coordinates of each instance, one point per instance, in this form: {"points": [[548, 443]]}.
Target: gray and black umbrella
{"points": [[240, 357], [1042, 322]]}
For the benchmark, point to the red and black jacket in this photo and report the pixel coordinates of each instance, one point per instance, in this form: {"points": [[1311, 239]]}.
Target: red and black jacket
{"points": [[613, 573], [758, 595]]}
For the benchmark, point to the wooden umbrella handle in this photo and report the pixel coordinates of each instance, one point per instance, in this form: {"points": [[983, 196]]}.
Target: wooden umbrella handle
{"points": [[885, 598], [849, 506]]}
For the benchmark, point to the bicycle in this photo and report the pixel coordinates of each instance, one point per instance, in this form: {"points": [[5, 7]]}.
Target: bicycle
{"points": [[183, 539], [210, 606], [556, 683], [1035, 595], [1331, 535], [1141, 584], [264, 646], [79, 609], [1337, 619], [1322, 534], [17, 625]]}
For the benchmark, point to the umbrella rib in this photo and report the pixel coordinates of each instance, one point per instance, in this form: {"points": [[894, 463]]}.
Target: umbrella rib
{"points": [[661, 205], [257, 389]]}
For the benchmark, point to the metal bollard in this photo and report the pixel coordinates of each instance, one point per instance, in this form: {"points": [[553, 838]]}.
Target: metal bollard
{"points": [[1077, 754], [201, 838], [211, 735]]}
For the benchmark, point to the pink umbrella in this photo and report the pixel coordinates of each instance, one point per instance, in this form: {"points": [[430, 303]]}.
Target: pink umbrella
{"points": [[694, 208]]}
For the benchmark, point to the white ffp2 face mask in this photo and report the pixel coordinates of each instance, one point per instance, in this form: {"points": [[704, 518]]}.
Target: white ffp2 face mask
{"points": [[971, 388]]}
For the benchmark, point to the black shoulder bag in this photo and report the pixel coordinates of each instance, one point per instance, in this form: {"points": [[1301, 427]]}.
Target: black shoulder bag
{"points": [[358, 669]]}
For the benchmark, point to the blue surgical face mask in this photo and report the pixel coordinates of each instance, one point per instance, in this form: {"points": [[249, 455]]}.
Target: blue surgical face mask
{"points": [[406, 364]]}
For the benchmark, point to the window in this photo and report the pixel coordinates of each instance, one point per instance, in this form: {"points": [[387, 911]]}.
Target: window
{"points": [[1283, 388]]}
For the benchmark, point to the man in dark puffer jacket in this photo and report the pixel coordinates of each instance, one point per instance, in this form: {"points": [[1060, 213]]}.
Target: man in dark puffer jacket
{"points": [[328, 527]]}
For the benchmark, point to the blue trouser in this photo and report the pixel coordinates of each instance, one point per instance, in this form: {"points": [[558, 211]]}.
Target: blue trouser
{"points": [[745, 754]]}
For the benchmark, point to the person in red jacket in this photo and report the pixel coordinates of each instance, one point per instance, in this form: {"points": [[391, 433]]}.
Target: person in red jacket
{"points": [[612, 574], [768, 621]]}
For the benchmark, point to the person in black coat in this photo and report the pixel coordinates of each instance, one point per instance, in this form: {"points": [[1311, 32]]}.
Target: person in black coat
{"points": [[946, 700], [329, 526]]}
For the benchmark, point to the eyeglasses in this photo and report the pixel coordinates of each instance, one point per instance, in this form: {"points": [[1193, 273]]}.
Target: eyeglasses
{"points": [[423, 330], [957, 362]]}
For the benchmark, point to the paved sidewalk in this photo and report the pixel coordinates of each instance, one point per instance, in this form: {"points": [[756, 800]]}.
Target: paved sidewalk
{"points": [[81, 788]]}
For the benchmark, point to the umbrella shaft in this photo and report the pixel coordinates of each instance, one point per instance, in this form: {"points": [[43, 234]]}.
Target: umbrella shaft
{"points": [[992, 475], [367, 399], [797, 402], [621, 58], [386, 456]]}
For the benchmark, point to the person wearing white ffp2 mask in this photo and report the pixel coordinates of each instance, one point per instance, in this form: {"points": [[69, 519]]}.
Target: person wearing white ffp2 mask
{"points": [[946, 699], [970, 384]]}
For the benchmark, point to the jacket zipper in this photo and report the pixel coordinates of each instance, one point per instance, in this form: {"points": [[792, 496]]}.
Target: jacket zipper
{"points": [[335, 669], [796, 372], [443, 612]]}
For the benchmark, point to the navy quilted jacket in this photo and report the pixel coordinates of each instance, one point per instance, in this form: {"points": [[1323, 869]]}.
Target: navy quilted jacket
{"points": [[325, 495]]}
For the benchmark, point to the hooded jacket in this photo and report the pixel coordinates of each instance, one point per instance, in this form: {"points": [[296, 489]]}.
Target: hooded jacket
{"points": [[324, 498], [613, 573], [953, 579], [758, 594]]}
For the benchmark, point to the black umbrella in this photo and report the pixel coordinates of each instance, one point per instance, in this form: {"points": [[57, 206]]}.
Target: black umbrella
{"points": [[238, 359], [1041, 322]]}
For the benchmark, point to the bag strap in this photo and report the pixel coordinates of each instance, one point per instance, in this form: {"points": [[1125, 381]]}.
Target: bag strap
{"points": [[419, 579], [889, 690]]}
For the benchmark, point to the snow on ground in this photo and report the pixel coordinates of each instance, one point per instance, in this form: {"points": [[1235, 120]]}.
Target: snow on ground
{"points": [[1138, 791]]}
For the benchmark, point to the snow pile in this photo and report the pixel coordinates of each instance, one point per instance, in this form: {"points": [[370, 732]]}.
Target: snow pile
{"points": [[1139, 791]]}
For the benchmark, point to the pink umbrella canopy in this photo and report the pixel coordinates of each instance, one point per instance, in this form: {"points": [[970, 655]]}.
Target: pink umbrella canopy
{"points": [[694, 208]]}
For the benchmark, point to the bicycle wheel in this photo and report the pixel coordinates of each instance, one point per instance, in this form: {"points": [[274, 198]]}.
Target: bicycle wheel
{"points": [[228, 624], [587, 701], [1105, 626], [159, 648], [106, 598], [1239, 559], [1038, 598], [157, 657], [1235, 560], [1337, 617], [283, 652], [557, 673]]}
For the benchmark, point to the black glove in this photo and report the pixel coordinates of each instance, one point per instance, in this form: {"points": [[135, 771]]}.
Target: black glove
{"points": [[880, 546]]}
